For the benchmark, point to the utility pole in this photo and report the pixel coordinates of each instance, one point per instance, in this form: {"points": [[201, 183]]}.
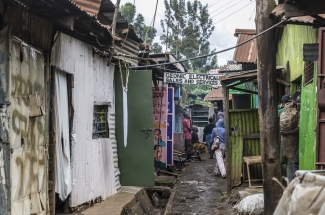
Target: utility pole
{"points": [[267, 96]]}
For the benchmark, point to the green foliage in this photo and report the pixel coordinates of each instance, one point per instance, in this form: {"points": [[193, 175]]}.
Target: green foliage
{"points": [[146, 33], [156, 48], [128, 11], [201, 93], [190, 27]]}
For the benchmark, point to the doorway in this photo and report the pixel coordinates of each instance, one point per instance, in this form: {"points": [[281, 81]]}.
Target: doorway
{"points": [[59, 148]]}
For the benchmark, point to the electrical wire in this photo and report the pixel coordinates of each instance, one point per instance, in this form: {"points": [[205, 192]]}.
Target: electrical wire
{"points": [[232, 13], [251, 15], [223, 6], [214, 3], [213, 53], [224, 10]]}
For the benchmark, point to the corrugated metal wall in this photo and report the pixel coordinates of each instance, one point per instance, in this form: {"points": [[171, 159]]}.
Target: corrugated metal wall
{"points": [[94, 164], [290, 49], [243, 123], [28, 160], [5, 38], [28, 27]]}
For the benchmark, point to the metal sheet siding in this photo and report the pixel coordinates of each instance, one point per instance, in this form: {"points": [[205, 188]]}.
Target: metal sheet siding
{"points": [[28, 159], [94, 163], [308, 124], [246, 53], [291, 45], [290, 48], [5, 38], [243, 123], [30, 28], [90, 6]]}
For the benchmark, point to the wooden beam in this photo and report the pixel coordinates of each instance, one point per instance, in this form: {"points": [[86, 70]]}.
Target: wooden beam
{"points": [[268, 115], [241, 82], [287, 84], [145, 46], [225, 101], [113, 30], [287, 89], [123, 31]]}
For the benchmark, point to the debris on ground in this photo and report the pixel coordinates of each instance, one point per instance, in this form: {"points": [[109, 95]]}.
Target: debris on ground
{"points": [[251, 205]]}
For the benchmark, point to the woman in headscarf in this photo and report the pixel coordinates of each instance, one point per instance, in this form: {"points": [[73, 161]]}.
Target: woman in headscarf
{"points": [[220, 132]]}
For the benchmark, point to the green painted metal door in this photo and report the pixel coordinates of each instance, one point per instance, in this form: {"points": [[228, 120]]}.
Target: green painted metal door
{"points": [[136, 161]]}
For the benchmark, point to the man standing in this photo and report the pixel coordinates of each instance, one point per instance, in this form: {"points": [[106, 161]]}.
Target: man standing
{"points": [[207, 132], [187, 135], [289, 122], [219, 114]]}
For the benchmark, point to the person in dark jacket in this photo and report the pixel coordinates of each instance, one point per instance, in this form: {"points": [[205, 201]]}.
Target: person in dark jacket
{"points": [[207, 132]]}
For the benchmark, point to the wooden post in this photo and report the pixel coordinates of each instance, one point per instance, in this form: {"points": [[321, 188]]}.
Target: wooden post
{"points": [[225, 99], [113, 30], [267, 95]]}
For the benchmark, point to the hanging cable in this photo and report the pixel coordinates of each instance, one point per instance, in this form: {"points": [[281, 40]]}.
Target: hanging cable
{"points": [[225, 10], [214, 3], [224, 6], [213, 53], [232, 13]]}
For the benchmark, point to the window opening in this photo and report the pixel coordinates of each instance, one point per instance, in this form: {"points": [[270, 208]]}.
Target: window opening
{"points": [[308, 72], [100, 125]]}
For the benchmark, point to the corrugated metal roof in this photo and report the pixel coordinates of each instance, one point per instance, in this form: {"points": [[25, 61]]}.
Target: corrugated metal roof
{"points": [[231, 68], [89, 6], [246, 53], [244, 31], [215, 95], [279, 10]]}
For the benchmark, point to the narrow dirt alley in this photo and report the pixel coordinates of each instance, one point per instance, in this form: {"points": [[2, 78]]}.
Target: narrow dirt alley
{"points": [[198, 191]]}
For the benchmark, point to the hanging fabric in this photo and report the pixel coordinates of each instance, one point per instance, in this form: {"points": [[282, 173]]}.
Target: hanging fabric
{"points": [[63, 184], [125, 116]]}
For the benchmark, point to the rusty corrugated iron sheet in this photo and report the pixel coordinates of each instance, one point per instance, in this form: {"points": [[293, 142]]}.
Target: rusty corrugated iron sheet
{"points": [[30, 28], [215, 95], [246, 53], [28, 140], [89, 6], [279, 11]]}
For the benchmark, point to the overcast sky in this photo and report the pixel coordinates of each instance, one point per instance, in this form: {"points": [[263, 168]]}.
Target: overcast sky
{"points": [[223, 36]]}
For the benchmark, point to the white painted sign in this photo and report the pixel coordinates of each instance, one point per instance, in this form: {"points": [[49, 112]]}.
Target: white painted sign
{"points": [[191, 78]]}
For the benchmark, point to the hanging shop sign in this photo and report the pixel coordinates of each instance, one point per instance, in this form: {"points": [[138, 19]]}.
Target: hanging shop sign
{"points": [[191, 78]]}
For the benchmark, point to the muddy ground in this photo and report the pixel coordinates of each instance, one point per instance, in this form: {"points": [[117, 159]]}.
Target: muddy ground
{"points": [[198, 191]]}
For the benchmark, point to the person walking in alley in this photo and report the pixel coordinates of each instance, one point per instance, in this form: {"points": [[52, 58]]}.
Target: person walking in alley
{"points": [[218, 113], [289, 123], [207, 132], [220, 132], [196, 144], [187, 136]]}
